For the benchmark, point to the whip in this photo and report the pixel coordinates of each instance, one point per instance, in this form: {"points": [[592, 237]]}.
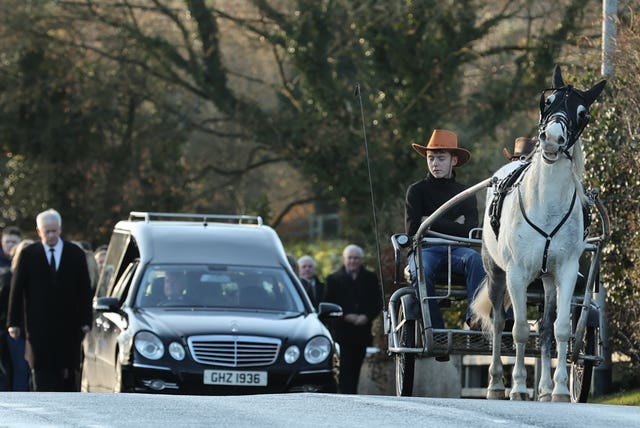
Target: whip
{"points": [[373, 204]]}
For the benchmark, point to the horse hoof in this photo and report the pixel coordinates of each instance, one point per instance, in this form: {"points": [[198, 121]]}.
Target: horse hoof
{"points": [[544, 397], [519, 396], [561, 398], [495, 394]]}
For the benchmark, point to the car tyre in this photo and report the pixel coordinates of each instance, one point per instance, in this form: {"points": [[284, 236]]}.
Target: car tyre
{"points": [[117, 383]]}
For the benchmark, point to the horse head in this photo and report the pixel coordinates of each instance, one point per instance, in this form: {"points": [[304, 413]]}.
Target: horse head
{"points": [[564, 113]]}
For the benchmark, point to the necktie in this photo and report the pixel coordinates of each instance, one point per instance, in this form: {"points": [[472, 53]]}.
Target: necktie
{"points": [[313, 289], [52, 260]]}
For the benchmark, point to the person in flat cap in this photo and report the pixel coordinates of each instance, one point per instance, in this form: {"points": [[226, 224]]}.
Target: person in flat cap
{"points": [[423, 198], [522, 147]]}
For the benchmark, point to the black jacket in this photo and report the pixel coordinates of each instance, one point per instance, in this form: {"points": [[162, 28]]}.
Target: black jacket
{"points": [[5, 287], [359, 296], [52, 307], [316, 294], [427, 195]]}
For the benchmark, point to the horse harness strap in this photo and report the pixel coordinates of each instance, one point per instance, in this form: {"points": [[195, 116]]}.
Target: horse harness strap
{"points": [[542, 232], [503, 187]]}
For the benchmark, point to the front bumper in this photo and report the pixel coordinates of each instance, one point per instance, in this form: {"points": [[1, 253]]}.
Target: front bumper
{"points": [[158, 379]]}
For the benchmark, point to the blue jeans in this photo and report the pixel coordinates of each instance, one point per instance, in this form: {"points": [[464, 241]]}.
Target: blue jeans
{"points": [[20, 368], [464, 261]]}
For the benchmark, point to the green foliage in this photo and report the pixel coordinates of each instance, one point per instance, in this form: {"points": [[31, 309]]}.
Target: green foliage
{"points": [[79, 134], [611, 145], [627, 398], [327, 254], [409, 59]]}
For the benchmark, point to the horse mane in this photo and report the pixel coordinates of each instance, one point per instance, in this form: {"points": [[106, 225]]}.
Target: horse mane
{"points": [[578, 171]]}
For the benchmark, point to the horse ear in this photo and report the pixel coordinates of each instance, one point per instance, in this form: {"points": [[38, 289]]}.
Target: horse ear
{"points": [[557, 77], [591, 95]]}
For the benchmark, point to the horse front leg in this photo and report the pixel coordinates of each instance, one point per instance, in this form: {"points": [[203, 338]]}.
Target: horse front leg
{"points": [[545, 386], [562, 329], [518, 293]]}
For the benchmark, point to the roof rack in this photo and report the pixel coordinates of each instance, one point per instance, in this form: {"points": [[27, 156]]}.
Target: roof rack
{"points": [[205, 218]]}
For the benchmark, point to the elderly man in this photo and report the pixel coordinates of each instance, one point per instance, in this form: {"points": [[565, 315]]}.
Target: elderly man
{"points": [[50, 302], [358, 291], [315, 288]]}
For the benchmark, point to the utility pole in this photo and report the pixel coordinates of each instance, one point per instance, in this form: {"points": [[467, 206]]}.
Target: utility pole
{"points": [[602, 373], [609, 18]]}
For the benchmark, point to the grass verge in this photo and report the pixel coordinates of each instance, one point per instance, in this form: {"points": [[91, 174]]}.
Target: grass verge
{"points": [[627, 398]]}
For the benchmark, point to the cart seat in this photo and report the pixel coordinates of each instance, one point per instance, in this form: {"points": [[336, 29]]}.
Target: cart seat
{"points": [[535, 291], [458, 284]]}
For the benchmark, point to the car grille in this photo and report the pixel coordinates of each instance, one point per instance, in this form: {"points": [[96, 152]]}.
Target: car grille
{"points": [[234, 351]]}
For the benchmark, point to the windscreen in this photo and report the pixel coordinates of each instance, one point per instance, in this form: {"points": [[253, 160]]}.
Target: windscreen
{"points": [[212, 286]]}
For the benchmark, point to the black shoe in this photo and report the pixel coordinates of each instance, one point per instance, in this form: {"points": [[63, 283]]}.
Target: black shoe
{"points": [[442, 358]]}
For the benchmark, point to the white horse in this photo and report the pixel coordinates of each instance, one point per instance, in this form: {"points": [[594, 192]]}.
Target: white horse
{"points": [[541, 234]]}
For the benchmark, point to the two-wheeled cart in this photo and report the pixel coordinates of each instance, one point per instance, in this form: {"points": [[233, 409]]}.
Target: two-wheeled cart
{"points": [[408, 322]]}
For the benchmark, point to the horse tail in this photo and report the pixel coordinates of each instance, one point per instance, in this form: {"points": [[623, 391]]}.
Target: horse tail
{"points": [[482, 306]]}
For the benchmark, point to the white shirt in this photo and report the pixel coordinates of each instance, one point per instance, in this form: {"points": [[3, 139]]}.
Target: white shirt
{"points": [[57, 252]]}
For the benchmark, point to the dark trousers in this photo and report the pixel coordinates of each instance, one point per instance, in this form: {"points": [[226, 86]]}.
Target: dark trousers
{"points": [[464, 261], [19, 367], [351, 358], [59, 380]]}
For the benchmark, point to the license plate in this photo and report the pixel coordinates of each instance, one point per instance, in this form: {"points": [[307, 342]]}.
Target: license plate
{"points": [[230, 377]]}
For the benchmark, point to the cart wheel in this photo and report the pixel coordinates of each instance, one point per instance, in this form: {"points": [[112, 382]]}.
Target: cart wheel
{"points": [[405, 362], [582, 370]]}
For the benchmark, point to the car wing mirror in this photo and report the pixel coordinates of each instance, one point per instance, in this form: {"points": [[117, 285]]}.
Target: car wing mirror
{"points": [[108, 304], [329, 310]]}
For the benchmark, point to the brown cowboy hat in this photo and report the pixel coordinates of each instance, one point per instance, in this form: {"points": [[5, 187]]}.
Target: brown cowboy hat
{"points": [[444, 140], [522, 147]]}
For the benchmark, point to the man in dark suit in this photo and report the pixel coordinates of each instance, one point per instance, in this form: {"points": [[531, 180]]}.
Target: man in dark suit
{"points": [[315, 288], [50, 301], [358, 291]]}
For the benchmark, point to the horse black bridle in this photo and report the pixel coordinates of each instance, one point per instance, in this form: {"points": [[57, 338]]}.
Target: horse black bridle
{"points": [[548, 114]]}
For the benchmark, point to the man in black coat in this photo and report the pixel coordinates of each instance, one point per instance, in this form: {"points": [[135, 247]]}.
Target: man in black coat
{"points": [[315, 288], [359, 293], [50, 301]]}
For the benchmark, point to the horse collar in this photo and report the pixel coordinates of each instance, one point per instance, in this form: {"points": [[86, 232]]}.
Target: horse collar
{"points": [[546, 235]]}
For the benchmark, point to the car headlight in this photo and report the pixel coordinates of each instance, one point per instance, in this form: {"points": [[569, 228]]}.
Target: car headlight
{"points": [[176, 350], [292, 354], [317, 350], [149, 345]]}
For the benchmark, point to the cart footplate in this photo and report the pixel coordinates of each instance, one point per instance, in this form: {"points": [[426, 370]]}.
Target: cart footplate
{"points": [[446, 341]]}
